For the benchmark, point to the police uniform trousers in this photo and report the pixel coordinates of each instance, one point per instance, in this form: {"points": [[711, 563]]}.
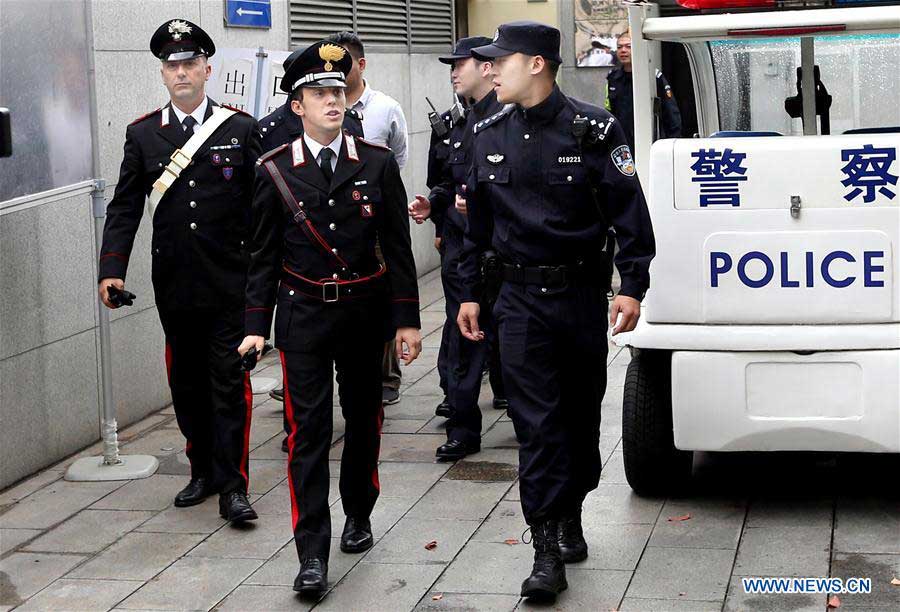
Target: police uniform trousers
{"points": [[465, 360], [353, 345], [553, 350], [212, 395]]}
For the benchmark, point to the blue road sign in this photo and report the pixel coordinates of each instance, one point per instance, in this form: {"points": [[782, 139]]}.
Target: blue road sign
{"points": [[248, 13]]}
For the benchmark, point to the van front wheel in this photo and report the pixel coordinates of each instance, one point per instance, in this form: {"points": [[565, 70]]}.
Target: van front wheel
{"points": [[653, 466]]}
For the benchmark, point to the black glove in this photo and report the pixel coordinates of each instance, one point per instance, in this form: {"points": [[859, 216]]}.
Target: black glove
{"points": [[120, 298]]}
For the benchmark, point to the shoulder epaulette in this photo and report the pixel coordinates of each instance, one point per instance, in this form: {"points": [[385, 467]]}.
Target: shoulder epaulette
{"points": [[236, 109], [372, 144], [354, 113], [142, 117], [270, 154], [495, 118]]}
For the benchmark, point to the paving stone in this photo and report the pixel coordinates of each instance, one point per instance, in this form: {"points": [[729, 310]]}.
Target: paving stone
{"points": [[798, 512], [269, 598], [406, 541], [503, 523], [666, 573], [55, 503], [501, 435], [154, 493], [12, 538], [270, 450], [509, 456], [412, 479], [81, 595], [202, 518], [467, 602], [614, 547], [403, 426], [473, 469], [513, 493], [712, 524], [266, 474], [281, 569], [635, 604], [443, 501], [159, 442], [430, 384], [407, 447], [614, 469], [275, 502], [487, 567], [23, 574], [436, 425], [880, 568], [617, 504], [138, 556], [175, 465], [254, 540], [867, 526], [588, 590], [192, 583], [262, 430], [381, 586], [89, 531], [783, 551], [28, 486], [739, 601], [415, 407]]}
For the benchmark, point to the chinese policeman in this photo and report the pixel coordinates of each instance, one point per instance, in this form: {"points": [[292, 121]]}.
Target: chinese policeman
{"points": [[548, 174], [319, 204], [282, 126], [195, 160], [464, 361]]}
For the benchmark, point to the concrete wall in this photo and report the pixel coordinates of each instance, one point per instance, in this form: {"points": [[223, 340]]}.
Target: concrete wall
{"points": [[49, 372]]}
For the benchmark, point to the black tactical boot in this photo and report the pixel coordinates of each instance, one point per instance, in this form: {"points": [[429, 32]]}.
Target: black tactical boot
{"points": [[572, 546], [548, 575]]}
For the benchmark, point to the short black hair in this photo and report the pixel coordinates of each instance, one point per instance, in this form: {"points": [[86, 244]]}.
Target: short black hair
{"points": [[553, 67], [350, 41], [297, 95]]}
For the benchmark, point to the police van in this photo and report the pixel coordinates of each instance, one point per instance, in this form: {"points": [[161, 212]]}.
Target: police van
{"points": [[773, 319]]}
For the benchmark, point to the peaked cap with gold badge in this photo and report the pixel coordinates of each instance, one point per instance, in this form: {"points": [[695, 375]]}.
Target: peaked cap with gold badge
{"points": [[322, 64], [179, 39]]}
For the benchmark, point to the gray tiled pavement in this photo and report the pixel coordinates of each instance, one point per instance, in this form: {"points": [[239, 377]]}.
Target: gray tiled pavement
{"points": [[117, 545]]}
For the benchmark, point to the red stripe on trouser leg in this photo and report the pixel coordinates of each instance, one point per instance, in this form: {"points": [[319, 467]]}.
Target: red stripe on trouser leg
{"points": [[245, 453], [289, 412], [380, 421]]}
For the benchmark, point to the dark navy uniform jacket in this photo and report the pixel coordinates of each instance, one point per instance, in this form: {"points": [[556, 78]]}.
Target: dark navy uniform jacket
{"points": [[201, 226], [620, 102], [438, 153], [453, 173], [365, 201], [538, 198], [283, 125]]}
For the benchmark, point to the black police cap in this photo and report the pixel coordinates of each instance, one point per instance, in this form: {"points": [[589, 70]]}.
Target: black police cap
{"points": [[290, 59], [528, 37], [179, 39], [322, 64], [463, 48]]}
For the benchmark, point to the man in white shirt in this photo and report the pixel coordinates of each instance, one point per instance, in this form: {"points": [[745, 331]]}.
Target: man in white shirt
{"points": [[383, 124]]}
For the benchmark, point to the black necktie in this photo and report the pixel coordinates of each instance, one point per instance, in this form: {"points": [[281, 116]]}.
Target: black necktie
{"points": [[189, 122], [325, 156]]}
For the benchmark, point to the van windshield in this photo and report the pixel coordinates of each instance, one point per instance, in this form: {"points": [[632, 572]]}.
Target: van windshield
{"points": [[860, 72]]}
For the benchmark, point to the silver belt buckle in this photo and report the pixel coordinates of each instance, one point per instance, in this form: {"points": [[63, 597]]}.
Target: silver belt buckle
{"points": [[325, 297]]}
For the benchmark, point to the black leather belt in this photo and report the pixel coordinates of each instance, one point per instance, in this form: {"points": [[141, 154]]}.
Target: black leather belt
{"points": [[334, 290], [551, 276]]}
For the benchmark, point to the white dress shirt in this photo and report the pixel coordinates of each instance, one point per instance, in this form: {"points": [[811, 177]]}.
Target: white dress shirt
{"points": [[199, 113], [315, 148], [383, 121]]}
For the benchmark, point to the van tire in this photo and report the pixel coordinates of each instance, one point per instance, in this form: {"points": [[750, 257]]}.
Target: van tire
{"points": [[653, 466]]}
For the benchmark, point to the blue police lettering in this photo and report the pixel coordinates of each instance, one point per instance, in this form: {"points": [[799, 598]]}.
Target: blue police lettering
{"points": [[722, 263]]}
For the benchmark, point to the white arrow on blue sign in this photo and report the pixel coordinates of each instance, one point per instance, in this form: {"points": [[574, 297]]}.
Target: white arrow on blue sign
{"points": [[248, 13]]}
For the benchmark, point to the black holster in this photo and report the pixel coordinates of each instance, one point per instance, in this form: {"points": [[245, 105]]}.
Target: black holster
{"points": [[491, 277]]}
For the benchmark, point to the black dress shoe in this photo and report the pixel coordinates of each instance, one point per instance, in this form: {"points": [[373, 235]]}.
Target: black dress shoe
{"points": [[501, 403], [357, 535], [455, 449], [444, 409], [277, 394], [572, 547], [194, 493], [284, 445], [312, 578], [235, 507]]}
